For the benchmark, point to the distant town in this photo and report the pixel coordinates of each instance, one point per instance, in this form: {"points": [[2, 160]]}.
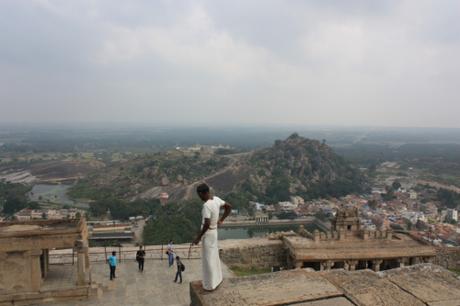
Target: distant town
{"points": [[411, 206]]}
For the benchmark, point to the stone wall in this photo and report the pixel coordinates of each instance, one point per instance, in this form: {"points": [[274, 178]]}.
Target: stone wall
{"points": [[15, 272], [448, 258], [258, 253]]}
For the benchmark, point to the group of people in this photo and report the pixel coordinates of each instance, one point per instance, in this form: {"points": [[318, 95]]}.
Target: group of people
{"points": [[212, 271], [140, 258]]}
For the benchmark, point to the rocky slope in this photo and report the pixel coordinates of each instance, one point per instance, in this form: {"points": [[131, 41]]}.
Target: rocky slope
{"points": [[299, 166], [295, 166]]}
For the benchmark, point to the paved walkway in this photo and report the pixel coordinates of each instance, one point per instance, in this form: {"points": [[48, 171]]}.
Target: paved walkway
{"points": [[154, 286]]}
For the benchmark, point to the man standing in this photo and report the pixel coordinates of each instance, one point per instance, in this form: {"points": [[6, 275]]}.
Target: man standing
{"points": [[112, 264], [212, 271], [170, 253], [140, 256]]}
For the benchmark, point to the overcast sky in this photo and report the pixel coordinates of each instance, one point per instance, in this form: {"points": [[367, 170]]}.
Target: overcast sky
{"points": [[383, 63]]}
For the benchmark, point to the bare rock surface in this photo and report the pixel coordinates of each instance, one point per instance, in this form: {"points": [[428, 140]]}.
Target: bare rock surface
{"points": [[267, 289], [429, 283], [423, 284], [367, 288]]}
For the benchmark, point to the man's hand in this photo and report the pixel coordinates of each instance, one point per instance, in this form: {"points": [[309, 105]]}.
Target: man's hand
{"points": [[220, 222], [196, 241]]}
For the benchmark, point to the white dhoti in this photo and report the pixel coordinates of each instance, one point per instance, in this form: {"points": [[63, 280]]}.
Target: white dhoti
{"points": [[212, 271]]}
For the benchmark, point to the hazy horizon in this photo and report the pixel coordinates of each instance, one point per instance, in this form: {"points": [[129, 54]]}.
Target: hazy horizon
{"points": [[379, 64]]}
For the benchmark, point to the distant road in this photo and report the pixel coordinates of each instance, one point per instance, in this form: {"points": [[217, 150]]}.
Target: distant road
{"points": [[439, 185], [139, 230], [234, 158]]}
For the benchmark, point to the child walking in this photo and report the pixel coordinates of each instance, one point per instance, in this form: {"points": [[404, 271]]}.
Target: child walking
{"points": [[180, 269]]}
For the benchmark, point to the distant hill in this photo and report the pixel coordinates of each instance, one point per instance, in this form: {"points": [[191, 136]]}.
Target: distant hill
{"points": [[295, 166], [299, 166]]}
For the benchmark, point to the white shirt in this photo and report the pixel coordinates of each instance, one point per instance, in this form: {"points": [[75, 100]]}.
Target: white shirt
{"points": [[211, 210]]}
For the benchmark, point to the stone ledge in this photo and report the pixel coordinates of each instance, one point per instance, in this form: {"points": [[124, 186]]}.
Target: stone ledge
{"points": [[428, 285], [431, 284], [279, 288], [28, 298]]}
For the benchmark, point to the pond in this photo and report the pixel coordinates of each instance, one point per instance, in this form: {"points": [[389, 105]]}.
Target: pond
{"points": [[53, 194], [261, 230]]}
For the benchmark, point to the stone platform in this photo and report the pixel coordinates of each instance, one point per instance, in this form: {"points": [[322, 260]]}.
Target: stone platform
{"points": [[154, 286], [423, 284]]}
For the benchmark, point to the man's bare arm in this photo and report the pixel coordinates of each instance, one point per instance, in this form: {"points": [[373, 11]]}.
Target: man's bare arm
{"points": [[227, 211], [207, 223]]}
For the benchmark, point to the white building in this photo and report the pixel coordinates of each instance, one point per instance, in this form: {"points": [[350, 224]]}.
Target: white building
{"points": [[296, 200], [287, 206], [452, 214], [27, 214], [258, 206], [414, 216]]}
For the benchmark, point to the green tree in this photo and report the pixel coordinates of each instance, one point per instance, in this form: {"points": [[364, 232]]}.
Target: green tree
{"points": [[179, 222], [448, 198], [372, 204], [13, 204]]}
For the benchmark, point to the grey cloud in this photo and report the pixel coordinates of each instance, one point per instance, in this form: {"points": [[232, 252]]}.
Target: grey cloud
{"points": [[262, 62]]}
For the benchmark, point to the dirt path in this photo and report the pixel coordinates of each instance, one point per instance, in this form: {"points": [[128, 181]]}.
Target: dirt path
{"points": [[439, 185], [234, 159]]}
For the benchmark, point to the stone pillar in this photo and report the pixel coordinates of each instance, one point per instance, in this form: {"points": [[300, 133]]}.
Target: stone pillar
{"points": [[365, 235], [376, 264], [342, 234], [82, 265], [316, 235], [401, 262], [298, 264], [87, 258], [35, 270], [351, 264], [321, 266], [46, 261], [389, 235], [327, 265]]}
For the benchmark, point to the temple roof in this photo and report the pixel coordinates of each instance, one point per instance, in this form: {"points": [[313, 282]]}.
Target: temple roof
{"points": [[41, 234], [400, 245]]}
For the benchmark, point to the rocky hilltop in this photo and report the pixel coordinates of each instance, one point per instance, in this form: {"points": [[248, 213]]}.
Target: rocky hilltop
{"points": [[300, 166], [294, 166]]}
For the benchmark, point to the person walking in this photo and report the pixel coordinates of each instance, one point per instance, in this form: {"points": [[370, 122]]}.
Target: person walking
{"points": [[112, 260], [180, 269], [212, 270], [170, 253], [140, 257]]}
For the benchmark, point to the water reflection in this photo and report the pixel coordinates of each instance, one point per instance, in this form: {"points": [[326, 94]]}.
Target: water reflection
{"points": [[260, 231]]}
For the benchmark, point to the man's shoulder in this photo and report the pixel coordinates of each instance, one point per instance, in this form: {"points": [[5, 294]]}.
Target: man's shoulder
{"points": [[215, 199]]}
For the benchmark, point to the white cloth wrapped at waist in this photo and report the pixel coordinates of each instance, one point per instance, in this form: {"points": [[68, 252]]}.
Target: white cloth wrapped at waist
{"points": [[212, 270]]}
